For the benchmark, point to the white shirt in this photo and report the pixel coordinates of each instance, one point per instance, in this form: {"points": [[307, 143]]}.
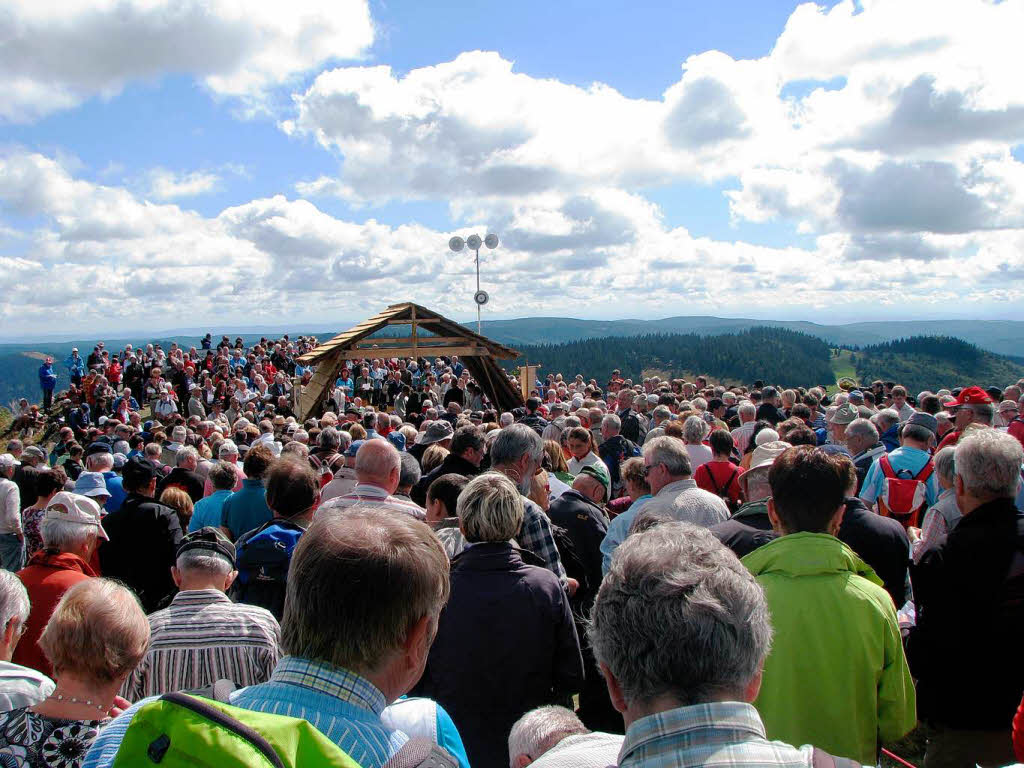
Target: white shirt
{"points": [[22, 687], [699, 454], [10, 507], [590, 460]]}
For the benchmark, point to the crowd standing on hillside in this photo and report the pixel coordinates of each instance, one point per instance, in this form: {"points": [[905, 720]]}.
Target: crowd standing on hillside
{"points": [[650, 573]]}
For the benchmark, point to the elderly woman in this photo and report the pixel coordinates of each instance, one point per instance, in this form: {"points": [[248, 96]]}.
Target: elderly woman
{"points": [[695, 429], [95, 638], [71, 531], [506, 641]]}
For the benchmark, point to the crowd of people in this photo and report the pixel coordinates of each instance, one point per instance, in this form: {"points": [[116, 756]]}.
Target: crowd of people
{"points": [[634, 573]]}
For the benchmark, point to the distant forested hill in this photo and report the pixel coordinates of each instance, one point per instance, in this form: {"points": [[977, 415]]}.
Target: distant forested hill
{"points": [[933, 362], [773, 354]]}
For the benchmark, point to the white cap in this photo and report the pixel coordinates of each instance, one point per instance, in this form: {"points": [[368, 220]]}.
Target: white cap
{"points": [[75, 509], [7, 460]]}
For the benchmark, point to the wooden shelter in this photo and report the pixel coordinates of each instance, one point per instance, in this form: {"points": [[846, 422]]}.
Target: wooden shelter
{"points": [[431, 335]]}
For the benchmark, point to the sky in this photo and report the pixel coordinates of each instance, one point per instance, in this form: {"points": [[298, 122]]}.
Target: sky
{"points": [[230, 163]]}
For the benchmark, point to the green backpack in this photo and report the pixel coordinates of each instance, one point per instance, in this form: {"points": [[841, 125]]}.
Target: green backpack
{"points": [[183, 731]]}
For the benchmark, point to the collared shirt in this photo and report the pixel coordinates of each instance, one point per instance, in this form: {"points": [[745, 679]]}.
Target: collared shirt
{"points": [[366, 495], [343, 706], [727, 733], [203, 637], [22, 686], [535, 535], [683, 500], [583, 750]]}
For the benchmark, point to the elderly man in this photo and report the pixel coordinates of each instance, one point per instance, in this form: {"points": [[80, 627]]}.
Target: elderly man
{"points": [[518, 453], [227, 453], [203, 637], [554, 737], [12, 536], [703, 624], [887, 422], [747, 414], [973, 409], [19, 686], [144, 537], [71, 531], [864, 446], [184, 474], [912, 460], [614, 449], [99, 458], [466, 454], [668, 470], [350, 651], [378, 470], [967, 590], [837, 655]]}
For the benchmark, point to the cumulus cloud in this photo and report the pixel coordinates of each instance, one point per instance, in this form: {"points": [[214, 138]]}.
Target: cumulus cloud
{"points": [[56, 55], [168, 185]]}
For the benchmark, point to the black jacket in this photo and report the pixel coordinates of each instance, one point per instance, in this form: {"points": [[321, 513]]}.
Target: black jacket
{"points": [[881, 542], [144, 538], [965, 649], [587, 526], [505, 644], [534, 421], [452, 464], [746, 530], [189, 481]]}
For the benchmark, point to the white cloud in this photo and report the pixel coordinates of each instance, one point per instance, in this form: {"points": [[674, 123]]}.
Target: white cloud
{"points": [[56, 55], [168, 185]]}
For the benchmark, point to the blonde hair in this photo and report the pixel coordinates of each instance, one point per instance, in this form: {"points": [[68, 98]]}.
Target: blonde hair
{"points": [[554, 451], [98, 630], [490, 508], [180, 502], [432, 458]]}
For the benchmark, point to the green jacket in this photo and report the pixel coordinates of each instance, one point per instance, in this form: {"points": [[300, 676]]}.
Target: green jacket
{"points": [[836, 676]]}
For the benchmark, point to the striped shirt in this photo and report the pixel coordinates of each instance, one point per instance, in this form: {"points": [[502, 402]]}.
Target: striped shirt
{"points": [[375, 497], [343, 706], [203, 637], [726, 733]]}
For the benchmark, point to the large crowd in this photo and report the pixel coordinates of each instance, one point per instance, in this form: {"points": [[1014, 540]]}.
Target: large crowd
{"points": [[635, 573]]}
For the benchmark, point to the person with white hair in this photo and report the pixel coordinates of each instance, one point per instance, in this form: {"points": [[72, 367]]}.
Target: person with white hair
{"points": [[554, 737], [20, 686], [670, 475], [501, 608], [202, 636], [695, 429], [966, 591]]}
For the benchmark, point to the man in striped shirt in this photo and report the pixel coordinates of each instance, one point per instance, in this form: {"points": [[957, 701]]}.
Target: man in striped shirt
{"points": [[203, 637], [378, 469]]}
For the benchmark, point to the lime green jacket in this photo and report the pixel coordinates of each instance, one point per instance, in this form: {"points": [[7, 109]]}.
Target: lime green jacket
{"points": [[836, 676]]}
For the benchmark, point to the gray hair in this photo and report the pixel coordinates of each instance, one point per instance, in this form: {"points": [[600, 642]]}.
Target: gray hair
{"points": [[490, 508], [65, 535], [699, 404], [99, 462], [541, 729], [329, 438], [514, 442], [694, 429], [677, 614], [506, 419], [746, 409], [410, 472], [14, 602], [983, 412], [670, 452], [945, 465], [862, 428], [889, 416], [613, 422], [989, 463], [184, 453], [178, 434], [661, 412], [205, 562]]}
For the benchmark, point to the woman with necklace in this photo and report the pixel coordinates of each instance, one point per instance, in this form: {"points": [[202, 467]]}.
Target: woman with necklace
{"points": [[97, 635]]}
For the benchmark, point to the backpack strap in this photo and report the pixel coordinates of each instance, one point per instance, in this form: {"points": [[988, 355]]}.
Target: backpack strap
{"points": [[926, 471], [887, 470], [421, 753], [220, 691]]}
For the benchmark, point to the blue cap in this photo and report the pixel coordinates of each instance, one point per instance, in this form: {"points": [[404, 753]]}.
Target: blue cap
{"points": [[397, 439], [356, 445], [91, 484]]}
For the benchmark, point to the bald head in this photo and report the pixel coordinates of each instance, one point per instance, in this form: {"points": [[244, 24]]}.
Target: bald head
{"points": [[379, 463]]}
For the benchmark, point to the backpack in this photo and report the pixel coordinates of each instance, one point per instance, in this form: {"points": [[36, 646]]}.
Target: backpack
{"points": [[631, 428], [262, 558], [904, 496], [723, 493], [180, 730]]}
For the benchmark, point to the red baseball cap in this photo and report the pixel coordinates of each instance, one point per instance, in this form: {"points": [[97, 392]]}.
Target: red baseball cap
{"points": [[972, 396]]}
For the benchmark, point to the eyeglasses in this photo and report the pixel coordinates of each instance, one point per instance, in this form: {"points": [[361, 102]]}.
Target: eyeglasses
{"points": [[648, 468]]}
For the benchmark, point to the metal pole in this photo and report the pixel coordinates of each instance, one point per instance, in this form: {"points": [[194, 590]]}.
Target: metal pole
{"points": [[478, 331]]}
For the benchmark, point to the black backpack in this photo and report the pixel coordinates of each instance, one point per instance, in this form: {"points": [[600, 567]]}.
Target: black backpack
{"points": [[262, 558], [631, 427]]}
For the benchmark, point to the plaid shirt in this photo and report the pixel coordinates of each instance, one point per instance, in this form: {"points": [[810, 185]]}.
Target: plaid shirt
{"points": [[343, 706], [726, 734], [535, 535]]}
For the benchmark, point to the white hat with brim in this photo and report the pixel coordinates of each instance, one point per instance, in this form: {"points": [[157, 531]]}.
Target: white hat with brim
{"points": [[75, 509]]}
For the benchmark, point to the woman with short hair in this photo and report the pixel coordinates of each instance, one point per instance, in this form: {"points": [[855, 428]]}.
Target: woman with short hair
{"points": [[506, 641], [97, 635]]}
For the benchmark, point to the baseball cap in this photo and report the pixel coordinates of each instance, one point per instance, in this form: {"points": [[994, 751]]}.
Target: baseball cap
{"points": [[7, 460], [209, 540], [600, 475], [971, 396], [926, 420], [91, 484], [856, 397], [98, 448], [75, 509]]}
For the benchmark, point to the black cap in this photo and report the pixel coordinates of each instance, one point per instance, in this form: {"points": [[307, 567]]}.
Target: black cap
{"points": [[138, 470], [98, 448], [208, 539]]}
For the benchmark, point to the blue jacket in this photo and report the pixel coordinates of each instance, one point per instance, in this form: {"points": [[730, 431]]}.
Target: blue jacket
{"points": [[47, 378], [117, 491], [75, 365], [890, 438]]}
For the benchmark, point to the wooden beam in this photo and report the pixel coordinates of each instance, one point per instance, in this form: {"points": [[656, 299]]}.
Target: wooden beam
{"points": [[357, 354], [414, 340]]}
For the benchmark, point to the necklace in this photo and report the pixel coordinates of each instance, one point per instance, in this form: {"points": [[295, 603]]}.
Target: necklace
{"points": [[75, 700]]}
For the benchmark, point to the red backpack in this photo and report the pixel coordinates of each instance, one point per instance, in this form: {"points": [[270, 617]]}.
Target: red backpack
{"points": [[904, 496]]}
